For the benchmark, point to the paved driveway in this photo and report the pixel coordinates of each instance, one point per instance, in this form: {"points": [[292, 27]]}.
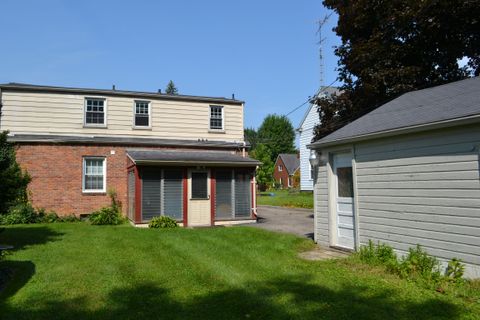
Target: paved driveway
{"points": [[291, 220]]}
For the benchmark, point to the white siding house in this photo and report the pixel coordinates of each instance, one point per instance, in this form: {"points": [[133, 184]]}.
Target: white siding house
{"points": [[405, 174], [305, 132]]}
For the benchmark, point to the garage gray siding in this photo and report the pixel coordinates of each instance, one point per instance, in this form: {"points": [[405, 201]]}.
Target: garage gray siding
{"points": [[422, 189], [321, 213]]}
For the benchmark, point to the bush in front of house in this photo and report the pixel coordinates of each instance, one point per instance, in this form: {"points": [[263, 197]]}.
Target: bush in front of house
{"points": [[162, 222], [416, 265], [25, 213], [111, 215]]}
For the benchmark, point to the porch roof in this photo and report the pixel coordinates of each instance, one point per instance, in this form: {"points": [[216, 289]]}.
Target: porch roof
{"points": [[187, 158]]}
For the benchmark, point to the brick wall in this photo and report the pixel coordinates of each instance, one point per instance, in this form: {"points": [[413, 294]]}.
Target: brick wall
{"points": [[56, 172], [281, 174]]}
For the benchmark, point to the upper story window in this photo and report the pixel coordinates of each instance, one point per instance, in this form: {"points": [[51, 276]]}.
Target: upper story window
{"points": [[94, 174], [142, 114], [95, 112], [280, 167], [216, 117]]}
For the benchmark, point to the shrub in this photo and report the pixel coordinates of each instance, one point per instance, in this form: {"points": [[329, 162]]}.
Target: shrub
{"points": [[378, 254], [21, 213], [69, 218], [419, 263], [105, 216], [162, 222], [455, 270]]}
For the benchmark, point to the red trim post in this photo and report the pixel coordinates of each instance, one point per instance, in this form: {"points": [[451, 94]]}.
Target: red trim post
{"points": [[138, 196], [185, 197], [213, 185]]}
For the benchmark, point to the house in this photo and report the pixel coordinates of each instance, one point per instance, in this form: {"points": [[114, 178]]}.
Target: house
{"points": [[305, 133], [174, 155], [285, 168], [406, 173]]}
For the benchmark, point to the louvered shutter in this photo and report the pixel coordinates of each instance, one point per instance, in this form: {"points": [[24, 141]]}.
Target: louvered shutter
{"points": [[151, 200], [173, 193], [223, 194], [242, 195]]}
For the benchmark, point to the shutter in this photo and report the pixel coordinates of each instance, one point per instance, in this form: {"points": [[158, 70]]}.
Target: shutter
{"points": [[242, 195], [173, 193], [223, 194], [131, 195], [151, 201]]}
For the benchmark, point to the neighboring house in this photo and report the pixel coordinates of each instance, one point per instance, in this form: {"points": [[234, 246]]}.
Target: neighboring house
{"points": [[305, 132], [406, 173], [286, 166], [173, 155]]}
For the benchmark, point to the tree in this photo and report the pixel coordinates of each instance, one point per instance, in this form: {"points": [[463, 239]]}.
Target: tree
{"points": [[264, 174], [392, 47], [13, 186], [250, 136], [171, 88], [277, 134]]}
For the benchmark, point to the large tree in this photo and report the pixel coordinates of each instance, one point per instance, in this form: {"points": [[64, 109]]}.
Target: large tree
{"points": [[171, 88], [390, 47], [277, 134], [251, 137], [13, 181]]}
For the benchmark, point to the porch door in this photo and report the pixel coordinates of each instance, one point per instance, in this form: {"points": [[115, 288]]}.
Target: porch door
{"points": [[199, 211], [344, 204]]}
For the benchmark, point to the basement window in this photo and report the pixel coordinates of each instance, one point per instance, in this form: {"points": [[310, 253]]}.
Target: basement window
{"points": [[94, 174]]}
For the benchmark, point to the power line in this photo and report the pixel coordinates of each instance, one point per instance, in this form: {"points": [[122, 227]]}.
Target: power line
{"points": [[322, 89]]}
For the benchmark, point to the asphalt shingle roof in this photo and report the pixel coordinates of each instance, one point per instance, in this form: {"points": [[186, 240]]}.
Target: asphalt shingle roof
{"points": [[450, 101], [182, 157], [290, 161]]}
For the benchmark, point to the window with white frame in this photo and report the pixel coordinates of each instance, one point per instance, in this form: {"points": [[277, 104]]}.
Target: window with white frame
{"points": [[280, 167], [95, 112], [94, 174], [142, 114], [216, 117]]}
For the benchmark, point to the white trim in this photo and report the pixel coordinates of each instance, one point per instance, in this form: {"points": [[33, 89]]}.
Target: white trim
{"points": [[104, 174], [280, 168], [105, 113], [149, 103], [222, 129], [356, 213]]}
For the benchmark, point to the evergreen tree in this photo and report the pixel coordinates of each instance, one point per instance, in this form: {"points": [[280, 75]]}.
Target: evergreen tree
{"points": [[392, 47], [171, 88], [13, 181]]}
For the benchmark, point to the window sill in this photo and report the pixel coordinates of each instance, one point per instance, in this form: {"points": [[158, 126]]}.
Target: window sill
{"points": [[142, 128], [101, 126], [216, 131], [94, 192], [208, 198]]}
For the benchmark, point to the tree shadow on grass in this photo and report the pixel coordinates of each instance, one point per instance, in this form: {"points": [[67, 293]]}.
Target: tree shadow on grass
{"points": [[21, 237], [280, 299], [14, 275]]}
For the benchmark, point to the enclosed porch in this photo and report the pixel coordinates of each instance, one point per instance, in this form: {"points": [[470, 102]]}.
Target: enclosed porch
{"points": [[196, 188]]}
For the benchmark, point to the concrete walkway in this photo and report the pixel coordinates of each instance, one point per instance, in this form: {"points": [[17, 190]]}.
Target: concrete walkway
{"points": [[291, 220]]}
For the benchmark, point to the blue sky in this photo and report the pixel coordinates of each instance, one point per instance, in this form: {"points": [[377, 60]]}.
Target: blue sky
{"points": [[265, 52]]}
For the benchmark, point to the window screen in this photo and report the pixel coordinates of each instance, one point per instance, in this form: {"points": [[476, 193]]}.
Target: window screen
{"points": [[173, 193], [345, 182], [142, 114], [223, 194], [199, 185], [151, 199], [95, 111], [93, 174], [242, 195], [216, 117]]}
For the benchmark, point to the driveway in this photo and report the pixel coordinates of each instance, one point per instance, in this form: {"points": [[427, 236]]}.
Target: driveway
{"points": [[292, 220]]}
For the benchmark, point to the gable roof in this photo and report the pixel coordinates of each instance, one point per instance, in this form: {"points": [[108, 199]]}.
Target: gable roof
{"points": [[124, 93], [322, 91], [438, 105], [291, 162]]}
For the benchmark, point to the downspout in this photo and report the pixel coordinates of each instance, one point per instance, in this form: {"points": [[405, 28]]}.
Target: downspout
{"points": [[254, 194]]}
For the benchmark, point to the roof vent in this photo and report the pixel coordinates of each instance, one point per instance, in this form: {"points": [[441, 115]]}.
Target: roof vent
{"points": [[233, 96], [160, 91], [113, 87]]}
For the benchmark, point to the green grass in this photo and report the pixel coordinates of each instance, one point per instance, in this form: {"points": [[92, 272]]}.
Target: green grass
{"points": [[79, 271], [284, 198]]}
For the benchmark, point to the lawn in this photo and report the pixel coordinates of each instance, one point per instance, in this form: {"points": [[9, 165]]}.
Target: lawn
{"points": [[285, 198], [78, 271]]}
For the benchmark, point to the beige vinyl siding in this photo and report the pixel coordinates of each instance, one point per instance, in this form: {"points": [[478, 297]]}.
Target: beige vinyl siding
{"points": [[422, 189], [321, 213], [44, 113]]}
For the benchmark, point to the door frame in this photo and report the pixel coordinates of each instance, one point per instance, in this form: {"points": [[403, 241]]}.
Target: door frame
{"points": [[332, 191]]}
